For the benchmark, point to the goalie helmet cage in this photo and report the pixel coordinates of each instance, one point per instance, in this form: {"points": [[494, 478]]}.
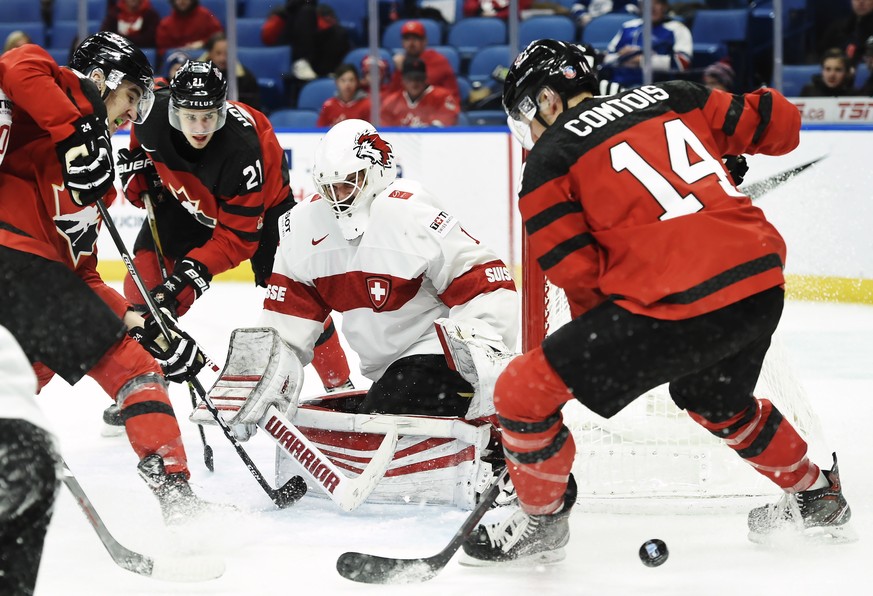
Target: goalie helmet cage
{"points": [[651, 456]]}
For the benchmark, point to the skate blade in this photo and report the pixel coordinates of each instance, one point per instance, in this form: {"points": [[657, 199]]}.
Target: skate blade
{"points": [[543, 558], [843, 534]]}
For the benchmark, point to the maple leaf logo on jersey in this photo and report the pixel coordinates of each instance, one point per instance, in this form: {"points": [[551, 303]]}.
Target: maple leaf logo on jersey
{"points": [[373, 147]]}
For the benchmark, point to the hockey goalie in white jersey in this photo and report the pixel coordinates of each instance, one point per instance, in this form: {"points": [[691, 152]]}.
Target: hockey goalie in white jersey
{"points": [[431, 312]]}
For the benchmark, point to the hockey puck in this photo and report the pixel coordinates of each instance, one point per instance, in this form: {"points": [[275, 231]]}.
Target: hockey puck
{"points": [[653, 552]]}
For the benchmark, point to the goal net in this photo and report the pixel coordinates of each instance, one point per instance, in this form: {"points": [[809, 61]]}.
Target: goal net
{"points": [[652, 453]]}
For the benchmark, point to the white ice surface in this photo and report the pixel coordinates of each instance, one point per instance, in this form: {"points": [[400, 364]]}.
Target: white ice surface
{"points": [[294, 551]]}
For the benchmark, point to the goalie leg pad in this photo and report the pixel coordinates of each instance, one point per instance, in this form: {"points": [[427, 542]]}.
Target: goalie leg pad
{"points": [[261, 371]]}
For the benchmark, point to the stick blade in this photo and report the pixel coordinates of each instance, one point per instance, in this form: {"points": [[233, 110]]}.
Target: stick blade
{"points": [[372, 569], [187, 569]]}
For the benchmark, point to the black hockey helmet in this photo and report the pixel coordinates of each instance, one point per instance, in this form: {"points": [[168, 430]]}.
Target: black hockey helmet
{"points": [[119, 60], [566, 68], [198, 86]]}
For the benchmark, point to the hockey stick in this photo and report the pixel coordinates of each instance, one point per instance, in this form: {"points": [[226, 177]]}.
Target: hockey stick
{"points": [[347, 493], [172, 569], [373, 569], [159, 252], [283, 496]]}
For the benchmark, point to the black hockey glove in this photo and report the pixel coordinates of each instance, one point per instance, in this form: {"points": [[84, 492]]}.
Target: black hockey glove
{"points": [[138, 175], [737, 167], [179, 358], [86, 160], [187, 273]]}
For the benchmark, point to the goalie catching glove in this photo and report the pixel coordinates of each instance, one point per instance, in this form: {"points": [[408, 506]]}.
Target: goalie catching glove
{"points": [[187, 273], [138, 175], [86, 160], [478, 356], [180, 358]]}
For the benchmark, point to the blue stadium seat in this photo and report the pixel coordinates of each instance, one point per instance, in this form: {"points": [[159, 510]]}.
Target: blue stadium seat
{"points": [[795, 76], [68, 10], [485, 61], [315, 93], [713, 30], [61, 55], [391, 37], [21, 11], [248, 32], [862, 73], [35, 31], [464, 87], [463, 119], [351, 15], [63, 33], [546, 26], [451, 55], [600, 31], [487, 117], [218, 8], [261, 9], [270, 63], [357, 55], [294, 118], [470, 34]]}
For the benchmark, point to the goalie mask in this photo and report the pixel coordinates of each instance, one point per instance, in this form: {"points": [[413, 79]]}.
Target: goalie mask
{"points": [[119, 60], [197, 105], [353, 164], [546, 65]]}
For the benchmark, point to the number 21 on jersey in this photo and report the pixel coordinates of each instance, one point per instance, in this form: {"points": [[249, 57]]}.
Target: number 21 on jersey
{"points": [[679, 140]]}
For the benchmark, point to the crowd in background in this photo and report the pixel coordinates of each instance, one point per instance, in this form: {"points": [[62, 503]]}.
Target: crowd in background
{"points": [[421, 85]]}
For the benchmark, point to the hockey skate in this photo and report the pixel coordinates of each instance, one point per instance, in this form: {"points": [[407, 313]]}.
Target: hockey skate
{"points": [[347, 386], [819, 514], [523, 538], [178, 502], [113, 424]]}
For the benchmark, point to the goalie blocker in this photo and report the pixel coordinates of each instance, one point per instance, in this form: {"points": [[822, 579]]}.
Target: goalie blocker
{"points": [[348, 457]]}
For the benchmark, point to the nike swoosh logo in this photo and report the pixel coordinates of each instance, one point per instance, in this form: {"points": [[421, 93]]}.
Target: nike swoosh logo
{"points": [[314, 241], [756, 190]]}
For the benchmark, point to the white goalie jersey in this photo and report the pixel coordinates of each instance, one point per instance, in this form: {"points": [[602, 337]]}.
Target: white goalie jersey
{"points": [[414, 264]]}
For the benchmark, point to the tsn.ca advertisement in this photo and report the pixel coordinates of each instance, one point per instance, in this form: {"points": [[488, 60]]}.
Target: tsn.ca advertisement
{"points": [[820, 196]]}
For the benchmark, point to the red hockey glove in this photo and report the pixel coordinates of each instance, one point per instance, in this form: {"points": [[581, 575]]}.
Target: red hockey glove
{"points": [[138, 175], [86, 160], [188, 273], [180, 358]]}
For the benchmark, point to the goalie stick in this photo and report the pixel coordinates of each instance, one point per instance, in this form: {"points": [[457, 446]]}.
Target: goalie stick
{"points": [[172, 569], [208, 458], [374, 569], [283, 496], [347, 493]]}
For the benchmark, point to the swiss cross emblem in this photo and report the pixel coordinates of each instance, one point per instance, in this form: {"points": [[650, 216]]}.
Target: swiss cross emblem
{"points": [[378, 289]]}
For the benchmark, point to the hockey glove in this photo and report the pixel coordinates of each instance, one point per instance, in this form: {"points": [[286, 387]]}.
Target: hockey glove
{"points": [[86, 160], [180, 358], [138, 175], [737, 167], [188, 273]]}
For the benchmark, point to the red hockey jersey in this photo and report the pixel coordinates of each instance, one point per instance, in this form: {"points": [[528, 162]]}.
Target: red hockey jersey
{"points": [[626, 197], [435, 107]]}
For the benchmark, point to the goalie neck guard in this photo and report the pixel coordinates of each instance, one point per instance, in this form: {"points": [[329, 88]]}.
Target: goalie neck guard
{"points": [[119, 60]]}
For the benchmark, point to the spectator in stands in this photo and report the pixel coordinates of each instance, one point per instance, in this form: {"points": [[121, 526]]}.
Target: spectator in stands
{"points": [[719, 75], [867, 87], [585, 12], [850, 34], [16, 39], [189, 26], [672, 46], [835, 79], [440, 73], [419, 104], [174, 62], [137, 20], [384, 76], [492, 8], [318, 42], [247, 88], [350, 101]]}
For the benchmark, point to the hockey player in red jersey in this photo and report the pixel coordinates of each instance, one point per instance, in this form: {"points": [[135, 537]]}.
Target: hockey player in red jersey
{"points": [[673, 277], [383, 252], [219, 181], [67, 321]]}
